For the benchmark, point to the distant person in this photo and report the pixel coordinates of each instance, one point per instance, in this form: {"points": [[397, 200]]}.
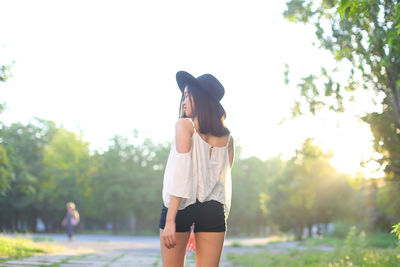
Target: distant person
{"points": [[71, 220], [197, 180]]}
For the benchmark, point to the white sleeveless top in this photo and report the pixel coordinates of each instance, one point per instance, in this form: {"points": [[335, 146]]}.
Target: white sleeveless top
{"points": [[197, 175]]}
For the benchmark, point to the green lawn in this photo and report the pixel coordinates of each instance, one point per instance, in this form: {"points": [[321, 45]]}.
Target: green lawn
{"points": [[379, 249], [17, 247], [314, 258], [375, 240]]}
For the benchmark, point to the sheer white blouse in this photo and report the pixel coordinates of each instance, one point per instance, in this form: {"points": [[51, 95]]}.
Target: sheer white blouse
{"points": [[197, 174]]}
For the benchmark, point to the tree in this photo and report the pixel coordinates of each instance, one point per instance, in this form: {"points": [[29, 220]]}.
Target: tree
{"points": [[24, 145], [129, 182], [5, 167], [5, 170], [66, 177], [112, 183], [309, 191], [4, 75], [248, 181], [151, 160], [365, 34]]}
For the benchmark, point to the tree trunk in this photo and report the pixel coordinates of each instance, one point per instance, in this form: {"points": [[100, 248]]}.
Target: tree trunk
{"points": [[395, 98], [298, 232], [138, 225], [33, 221], [114, 226], [310, 235], [319, 229], [81, 225], [46, 225], [15, 221]]}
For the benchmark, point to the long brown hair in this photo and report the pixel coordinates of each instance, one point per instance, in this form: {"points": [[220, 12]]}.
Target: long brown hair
{"points": [[209, 112]]}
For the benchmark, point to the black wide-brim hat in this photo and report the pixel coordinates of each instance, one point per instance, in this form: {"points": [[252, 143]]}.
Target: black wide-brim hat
{"points": [[206, 82]]}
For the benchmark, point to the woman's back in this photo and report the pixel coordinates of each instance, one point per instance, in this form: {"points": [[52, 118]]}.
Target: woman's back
{"points": [[201, 171], [214, 142]]}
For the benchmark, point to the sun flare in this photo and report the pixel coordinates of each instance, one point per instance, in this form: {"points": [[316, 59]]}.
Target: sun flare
{"points": [[353, 151]]}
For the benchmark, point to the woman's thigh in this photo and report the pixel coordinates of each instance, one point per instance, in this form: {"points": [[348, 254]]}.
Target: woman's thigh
{"points": [[174, 257], [209, 248]]}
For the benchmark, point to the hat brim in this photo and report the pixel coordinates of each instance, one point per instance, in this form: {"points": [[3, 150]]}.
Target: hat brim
{"points": [[184, 78]]}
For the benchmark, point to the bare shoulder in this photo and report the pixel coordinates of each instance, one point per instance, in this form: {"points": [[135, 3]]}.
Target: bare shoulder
{"points": [[183, 135], [183, 125]]}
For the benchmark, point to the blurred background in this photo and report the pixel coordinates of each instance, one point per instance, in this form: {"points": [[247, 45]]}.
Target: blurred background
{"points": [[89, 101]]}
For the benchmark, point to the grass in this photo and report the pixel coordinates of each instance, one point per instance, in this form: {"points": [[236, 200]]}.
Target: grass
{"points": [[374, 240], [327, 240], [115, 259], [308, 258], [60, 263], [42, 239], [357, 249], [157, 261], [271, 240], [17, 247], [382, 240], [236, 244]]}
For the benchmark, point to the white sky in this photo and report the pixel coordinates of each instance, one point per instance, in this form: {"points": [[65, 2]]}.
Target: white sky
{"points": [[108, 67]]}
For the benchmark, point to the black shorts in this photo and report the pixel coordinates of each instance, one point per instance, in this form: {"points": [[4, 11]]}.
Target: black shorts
{"points": [[208, 216]]}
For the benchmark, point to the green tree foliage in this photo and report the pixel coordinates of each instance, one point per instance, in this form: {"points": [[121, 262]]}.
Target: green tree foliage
{"points": [[4, 72], [249, 181], [50, 166], [113, 182], [148, 187], [396, 230], [4, 75], [66, 176], [24, 146], [5, 170], [129, 179], [367, 35], [309, 191], [364, 33], [5, 166]]}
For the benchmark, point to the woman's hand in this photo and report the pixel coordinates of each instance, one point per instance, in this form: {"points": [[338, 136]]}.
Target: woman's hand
{"points": [[168, 234]]}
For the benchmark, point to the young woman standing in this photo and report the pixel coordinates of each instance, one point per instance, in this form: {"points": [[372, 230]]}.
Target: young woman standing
{"points": [[197, 180]]}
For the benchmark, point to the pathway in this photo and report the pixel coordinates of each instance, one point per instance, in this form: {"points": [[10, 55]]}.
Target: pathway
{"points": [[124, 251]]}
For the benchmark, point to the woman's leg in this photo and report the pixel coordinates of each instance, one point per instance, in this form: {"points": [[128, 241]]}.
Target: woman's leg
{"points": [[209, 248], [174, 257], [70, 233]]}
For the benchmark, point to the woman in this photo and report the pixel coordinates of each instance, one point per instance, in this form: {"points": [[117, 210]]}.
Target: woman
{"points": [[197, 179], [71, 219]]}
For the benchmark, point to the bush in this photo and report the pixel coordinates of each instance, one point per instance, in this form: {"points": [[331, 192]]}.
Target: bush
{"points": [[340, 230]]}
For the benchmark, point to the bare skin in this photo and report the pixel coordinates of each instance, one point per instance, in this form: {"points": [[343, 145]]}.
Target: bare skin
{"points": [[208, 245], [175, 256]]}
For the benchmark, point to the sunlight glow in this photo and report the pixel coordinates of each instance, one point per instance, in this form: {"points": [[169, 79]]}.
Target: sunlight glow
{"points": [[111, 69]]}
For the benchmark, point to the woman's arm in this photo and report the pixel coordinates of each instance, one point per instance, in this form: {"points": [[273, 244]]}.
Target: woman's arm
{"points": [[231, 151], [169, 229], [183, 135]]}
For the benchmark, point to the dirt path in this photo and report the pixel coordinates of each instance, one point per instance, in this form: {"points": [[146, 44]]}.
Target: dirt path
{"points": [[121, 251]]}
